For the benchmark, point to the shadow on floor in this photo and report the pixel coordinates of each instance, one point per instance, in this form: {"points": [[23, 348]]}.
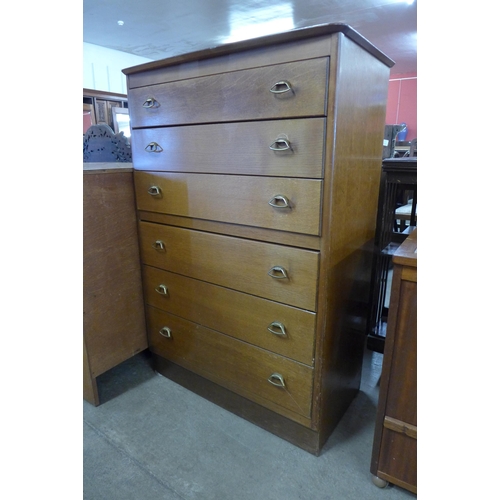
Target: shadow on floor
{"points": [[127, 375]]}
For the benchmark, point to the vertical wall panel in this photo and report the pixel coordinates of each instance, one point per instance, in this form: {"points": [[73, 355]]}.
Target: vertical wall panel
{"points": [[102, 68]]}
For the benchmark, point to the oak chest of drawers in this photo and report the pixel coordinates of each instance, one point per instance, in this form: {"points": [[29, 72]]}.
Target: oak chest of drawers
{"points": [[256, 177]]}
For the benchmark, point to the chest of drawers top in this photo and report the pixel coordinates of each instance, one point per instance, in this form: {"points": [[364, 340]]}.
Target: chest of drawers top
{"points": [[273, 77], [297, 44]]}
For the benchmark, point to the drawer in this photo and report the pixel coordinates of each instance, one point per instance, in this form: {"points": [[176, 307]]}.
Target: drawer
{"points": [[287, 148], [271, 202], [234, 364], [250, 94], [279, 328], [280, 273]]}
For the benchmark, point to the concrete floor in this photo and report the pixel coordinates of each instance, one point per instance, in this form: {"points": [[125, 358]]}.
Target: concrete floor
{"points": [[151, 439]]}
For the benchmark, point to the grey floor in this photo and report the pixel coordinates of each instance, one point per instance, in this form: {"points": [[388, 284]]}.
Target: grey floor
{"points": [[151, 439]]}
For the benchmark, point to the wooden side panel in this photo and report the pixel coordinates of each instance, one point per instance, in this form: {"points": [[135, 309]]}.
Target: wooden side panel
{"points": [[113, 310], [398, 459], [90, 389], [401, 395], [353, 160]]}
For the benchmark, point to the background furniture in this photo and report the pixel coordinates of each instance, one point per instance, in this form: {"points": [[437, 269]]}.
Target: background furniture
{"points": [[394, 457], [113, 312], [101, 107], [254, 185], [396, 218]]}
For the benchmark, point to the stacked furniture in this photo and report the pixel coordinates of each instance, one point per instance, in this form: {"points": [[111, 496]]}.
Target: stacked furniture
{"points": [[256, 176], [394, 456]]}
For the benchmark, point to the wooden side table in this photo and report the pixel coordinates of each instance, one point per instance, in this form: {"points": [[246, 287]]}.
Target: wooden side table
{"points": [[394, 456], [114, 326]]}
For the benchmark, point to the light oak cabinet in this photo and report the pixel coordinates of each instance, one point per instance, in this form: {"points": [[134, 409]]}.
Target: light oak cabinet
{"points": [[256, 176]]}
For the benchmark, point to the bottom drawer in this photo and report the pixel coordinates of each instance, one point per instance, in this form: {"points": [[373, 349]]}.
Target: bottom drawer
{"points": [[241, 367]]}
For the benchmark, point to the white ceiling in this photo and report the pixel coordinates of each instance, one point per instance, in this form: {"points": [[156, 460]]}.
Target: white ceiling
{"points": [[157, 29]]}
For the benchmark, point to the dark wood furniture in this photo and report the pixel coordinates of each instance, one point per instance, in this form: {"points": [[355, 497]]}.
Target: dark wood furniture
{"points": [[98, 107], [394, 457], [398, 187], [113, 312], [255, 186]]}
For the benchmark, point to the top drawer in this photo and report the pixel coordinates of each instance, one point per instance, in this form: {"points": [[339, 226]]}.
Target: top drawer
{"points": [[280, 91]]}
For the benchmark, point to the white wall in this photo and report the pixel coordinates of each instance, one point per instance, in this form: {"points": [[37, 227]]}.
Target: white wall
{"points": [[102, 68]]}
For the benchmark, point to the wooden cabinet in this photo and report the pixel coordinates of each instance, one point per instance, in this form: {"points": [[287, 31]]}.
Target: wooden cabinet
{"points": [[256, 176], [398, 193], [394, 457], [113, 311]]}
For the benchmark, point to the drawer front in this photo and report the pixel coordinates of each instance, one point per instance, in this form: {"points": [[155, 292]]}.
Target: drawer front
{"points": [[236, 365], [286, 148], [282, 329], [251, 94], [283, 274], [271, 202]]}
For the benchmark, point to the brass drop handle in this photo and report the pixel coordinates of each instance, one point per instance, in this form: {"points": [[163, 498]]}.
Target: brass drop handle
{"points": [[159, 246], [281, 144], [278, 272], [153, 147], [279, 201], [154, 191], [166, 332], [281, 87], [151, 102], [277, 328], [277, 380], [162, 290]]}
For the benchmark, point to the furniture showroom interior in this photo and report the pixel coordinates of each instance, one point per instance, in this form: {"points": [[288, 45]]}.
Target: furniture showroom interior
{"points": [[249, 250]]}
